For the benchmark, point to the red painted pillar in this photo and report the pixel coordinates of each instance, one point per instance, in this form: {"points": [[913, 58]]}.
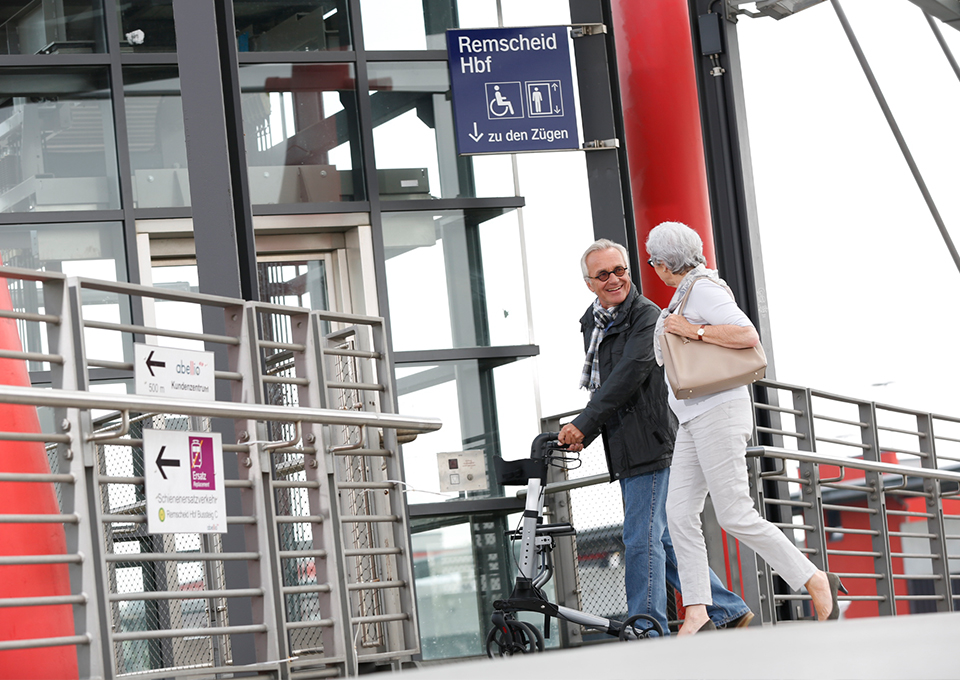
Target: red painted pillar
{"points": [[661, 114], [23, 623]]}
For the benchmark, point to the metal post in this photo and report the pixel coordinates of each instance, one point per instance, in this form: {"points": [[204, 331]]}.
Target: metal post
{"points": [[877, 504], [895, 129], [322, 468], [609, 190], [214, 232], [80, 456], [940, 563], [758, 590], [810, 478]]}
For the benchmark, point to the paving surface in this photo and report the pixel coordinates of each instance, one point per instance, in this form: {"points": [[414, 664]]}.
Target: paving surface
{"points": [[920, 647]]}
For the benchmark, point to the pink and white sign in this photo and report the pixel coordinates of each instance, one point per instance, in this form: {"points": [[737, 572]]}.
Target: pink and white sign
{"points": [[202, 473], [184, 480]]}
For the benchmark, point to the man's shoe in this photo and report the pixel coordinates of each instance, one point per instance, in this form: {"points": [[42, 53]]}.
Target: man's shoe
{"points": [[741, 621]]}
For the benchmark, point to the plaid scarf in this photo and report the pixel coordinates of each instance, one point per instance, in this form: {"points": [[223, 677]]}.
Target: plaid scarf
{"points": [[602, 319]]}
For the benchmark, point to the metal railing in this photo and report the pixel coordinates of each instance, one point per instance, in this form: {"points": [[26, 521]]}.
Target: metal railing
{"points": [[313, 577], [868, 490]]}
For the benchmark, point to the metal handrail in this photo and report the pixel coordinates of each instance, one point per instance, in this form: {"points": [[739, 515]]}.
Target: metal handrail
{"points": [[33, 396], [795, 497], [783, 454]]}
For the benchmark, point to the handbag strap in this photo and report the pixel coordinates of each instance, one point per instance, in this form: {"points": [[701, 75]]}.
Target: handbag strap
{"points": [[683, 302]]}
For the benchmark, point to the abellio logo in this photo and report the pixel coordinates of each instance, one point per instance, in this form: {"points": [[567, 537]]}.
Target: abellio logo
{"points": [[192, 368]]}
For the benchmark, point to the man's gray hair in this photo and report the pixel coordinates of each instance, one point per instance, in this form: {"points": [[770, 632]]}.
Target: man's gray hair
{"points": [[602, 244], [676, 245]]}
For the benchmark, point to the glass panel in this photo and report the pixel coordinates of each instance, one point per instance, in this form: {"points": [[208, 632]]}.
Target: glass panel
{"points": [[57, 148], [461, 567], [147, 26], [178, 315], [294, 284], [484, 406], [300, 122], [470, 261], [89, 249], [158, 148], [540, 13], [414, 142], [420, 24], [291, 25], [66, 27], [447, 604]]}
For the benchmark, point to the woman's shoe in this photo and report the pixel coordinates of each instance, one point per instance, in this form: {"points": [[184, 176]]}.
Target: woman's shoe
{"points": [[835, 585], [708, 626]]}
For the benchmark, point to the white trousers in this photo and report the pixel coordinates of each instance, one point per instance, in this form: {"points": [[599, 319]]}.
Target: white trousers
{"points": [[710, 455]]}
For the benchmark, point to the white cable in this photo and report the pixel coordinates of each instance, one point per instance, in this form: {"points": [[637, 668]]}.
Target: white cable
{"points": [[435, 493]]}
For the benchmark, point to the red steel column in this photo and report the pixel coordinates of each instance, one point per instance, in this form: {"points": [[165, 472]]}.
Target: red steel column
{"points": [[29, 498], [661, 116]]}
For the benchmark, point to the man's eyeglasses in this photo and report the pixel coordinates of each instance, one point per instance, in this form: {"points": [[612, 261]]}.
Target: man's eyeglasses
{"points": [[604, 275], [652, 262]]}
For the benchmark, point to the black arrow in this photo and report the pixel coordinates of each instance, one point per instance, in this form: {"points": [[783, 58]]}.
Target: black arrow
{"points": [[151, 363], [161, 462]]}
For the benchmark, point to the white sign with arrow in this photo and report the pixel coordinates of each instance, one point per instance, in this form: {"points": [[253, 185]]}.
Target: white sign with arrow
{"points": [[184, 482], [171, 372]]}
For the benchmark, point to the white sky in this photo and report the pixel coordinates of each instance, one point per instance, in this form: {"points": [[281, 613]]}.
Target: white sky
{"points": [[860, 283]]}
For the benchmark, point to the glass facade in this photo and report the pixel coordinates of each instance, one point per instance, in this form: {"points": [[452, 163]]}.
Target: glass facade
{"points": [[292, 25], [413, 137], [342, 159], [155, 137], [430, 251], [485, 405], [89, 249], [420, 24], [147, 26], [67, 27], [461, 569], [57, 149], [302, 131]]}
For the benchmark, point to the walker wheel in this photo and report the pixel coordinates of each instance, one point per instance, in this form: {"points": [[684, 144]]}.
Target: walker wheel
{"points": [[519, 638], [640, 627]]}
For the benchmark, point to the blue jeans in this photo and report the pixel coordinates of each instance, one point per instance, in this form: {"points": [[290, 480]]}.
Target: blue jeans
{"points": [[650, 560]]}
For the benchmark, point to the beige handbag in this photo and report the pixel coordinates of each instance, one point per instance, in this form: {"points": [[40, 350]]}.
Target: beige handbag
{"points": [[695, 368]]}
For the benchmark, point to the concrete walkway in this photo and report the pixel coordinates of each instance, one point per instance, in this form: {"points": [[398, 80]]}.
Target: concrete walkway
{"points": [[920, 647]]}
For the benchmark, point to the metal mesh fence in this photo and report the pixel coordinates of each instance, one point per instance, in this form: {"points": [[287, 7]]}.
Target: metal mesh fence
{"points": [[131, 582], [357, 502], [597, 514], [161, 598]]}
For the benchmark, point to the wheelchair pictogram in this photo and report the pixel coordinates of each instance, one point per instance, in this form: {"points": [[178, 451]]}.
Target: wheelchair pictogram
{"points": [[504, 100]]}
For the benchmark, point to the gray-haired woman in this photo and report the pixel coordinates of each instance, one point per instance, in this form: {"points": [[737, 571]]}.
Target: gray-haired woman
{"points": [[710, 451]]}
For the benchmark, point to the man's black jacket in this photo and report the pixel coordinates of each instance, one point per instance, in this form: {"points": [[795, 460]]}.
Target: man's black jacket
{"points": [[630, 409]]}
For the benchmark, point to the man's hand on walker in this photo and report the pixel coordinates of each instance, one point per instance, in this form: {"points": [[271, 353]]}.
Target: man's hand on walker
{"points": [[571, 437]]}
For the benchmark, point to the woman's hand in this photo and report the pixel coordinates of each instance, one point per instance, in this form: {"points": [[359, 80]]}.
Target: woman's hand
{"points": [[678, 325], [727, 335]]}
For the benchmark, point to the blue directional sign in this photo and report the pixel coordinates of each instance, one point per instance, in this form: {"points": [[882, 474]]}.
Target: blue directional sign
{"points": [[512, 89]]}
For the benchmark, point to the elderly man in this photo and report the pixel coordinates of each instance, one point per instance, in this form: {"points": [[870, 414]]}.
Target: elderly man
{"points": [[628, 407]]}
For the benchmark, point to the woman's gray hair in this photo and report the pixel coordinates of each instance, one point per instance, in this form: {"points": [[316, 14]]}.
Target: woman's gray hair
{"points": [[676, 245], [602, 244]]}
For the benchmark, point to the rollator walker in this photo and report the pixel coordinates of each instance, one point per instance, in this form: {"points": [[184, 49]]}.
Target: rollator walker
{"points": [[509, 635]]}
